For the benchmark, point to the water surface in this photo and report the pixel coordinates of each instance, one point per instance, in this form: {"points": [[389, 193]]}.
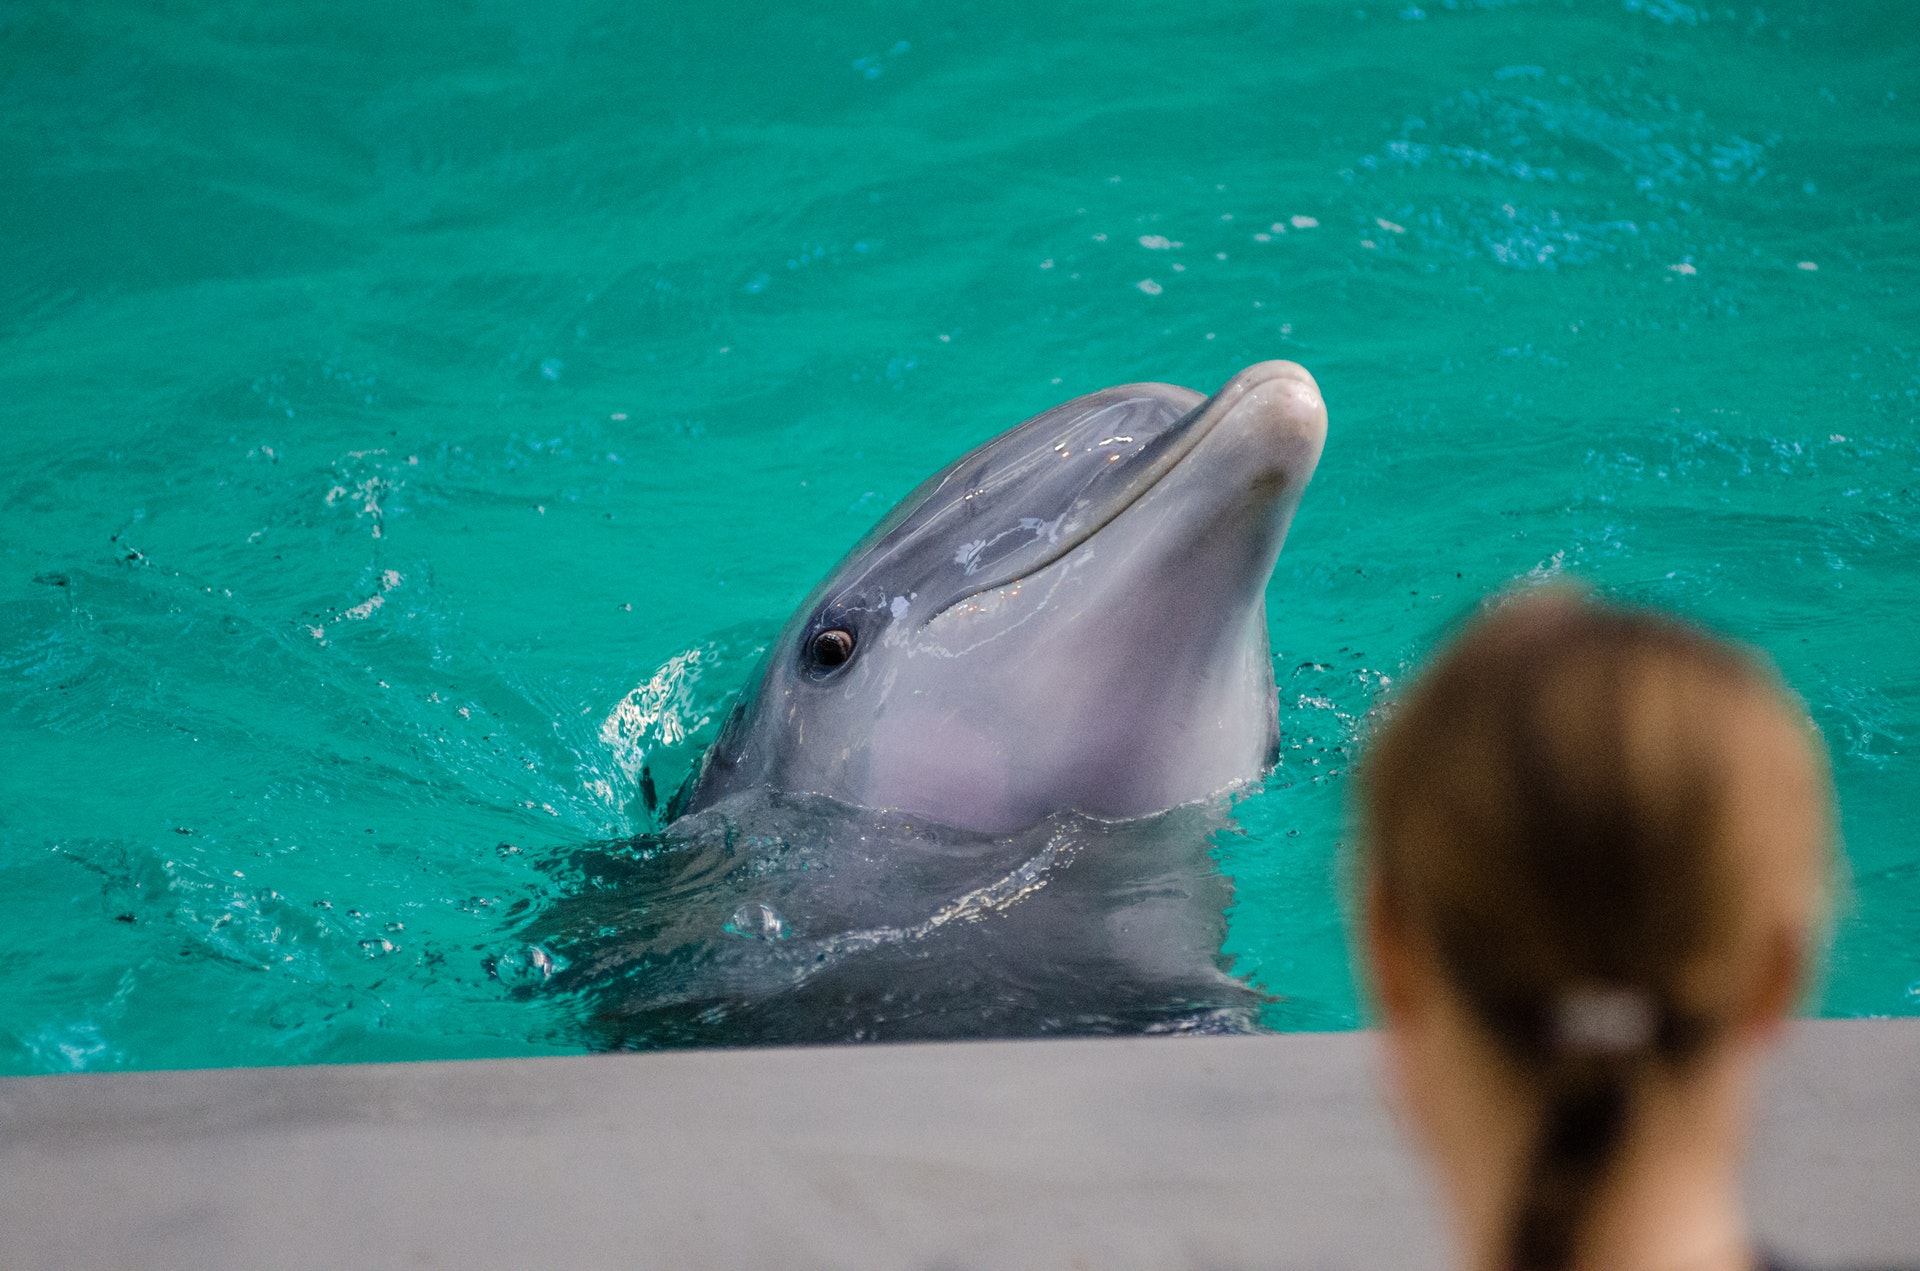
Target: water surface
{"points": [[414, 419]]}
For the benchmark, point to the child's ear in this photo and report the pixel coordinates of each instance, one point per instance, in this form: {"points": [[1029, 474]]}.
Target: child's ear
{"points": [[1781, 978], [1389, 971]]}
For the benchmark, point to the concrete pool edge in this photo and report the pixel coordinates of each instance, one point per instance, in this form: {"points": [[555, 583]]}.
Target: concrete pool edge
{"points": [[1165, 1152]]}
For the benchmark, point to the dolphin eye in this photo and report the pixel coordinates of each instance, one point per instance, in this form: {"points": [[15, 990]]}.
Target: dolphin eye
{"points": [[831, 648]]}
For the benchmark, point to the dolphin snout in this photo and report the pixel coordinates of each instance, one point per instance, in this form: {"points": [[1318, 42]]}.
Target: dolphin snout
{"points": [[1274, 422]]}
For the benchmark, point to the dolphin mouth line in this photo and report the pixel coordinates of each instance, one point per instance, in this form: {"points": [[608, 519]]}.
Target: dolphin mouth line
{"points": [[1191, 432]]}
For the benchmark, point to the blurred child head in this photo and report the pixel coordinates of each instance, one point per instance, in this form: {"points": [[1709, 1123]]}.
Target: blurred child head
{"points": [[1596, 844]]}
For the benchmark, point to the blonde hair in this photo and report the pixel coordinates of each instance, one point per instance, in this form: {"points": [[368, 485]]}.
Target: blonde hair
{"points": [[1601, 823]]}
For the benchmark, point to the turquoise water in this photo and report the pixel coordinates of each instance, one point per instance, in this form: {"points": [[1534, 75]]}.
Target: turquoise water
{"points": [[415, 417]]}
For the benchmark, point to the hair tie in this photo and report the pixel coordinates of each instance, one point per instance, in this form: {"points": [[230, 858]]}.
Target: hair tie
{"points": [[1603, 1021]]}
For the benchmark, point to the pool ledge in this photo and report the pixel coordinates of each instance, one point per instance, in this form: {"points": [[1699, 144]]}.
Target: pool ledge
{"points": [[1272, 1151]]}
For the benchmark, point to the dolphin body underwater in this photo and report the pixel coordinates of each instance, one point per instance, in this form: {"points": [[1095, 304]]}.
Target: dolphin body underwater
{"points": [[972, 788]]}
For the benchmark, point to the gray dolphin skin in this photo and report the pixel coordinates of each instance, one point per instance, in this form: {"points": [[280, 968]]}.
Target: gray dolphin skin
{"points": [[1071, 618]]}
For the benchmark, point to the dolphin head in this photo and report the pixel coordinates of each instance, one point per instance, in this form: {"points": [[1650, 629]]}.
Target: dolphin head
{"points": [[1071, 617]]}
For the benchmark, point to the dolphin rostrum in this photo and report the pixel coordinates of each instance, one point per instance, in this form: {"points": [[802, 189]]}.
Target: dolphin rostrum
{"points": [[1071, 618]]}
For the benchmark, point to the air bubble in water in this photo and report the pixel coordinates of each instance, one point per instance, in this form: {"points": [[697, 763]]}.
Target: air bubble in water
{"points": [[757, 922], [527, 964]]}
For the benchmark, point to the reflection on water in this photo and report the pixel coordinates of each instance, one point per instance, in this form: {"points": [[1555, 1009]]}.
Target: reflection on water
{"points": [[788, 919]]}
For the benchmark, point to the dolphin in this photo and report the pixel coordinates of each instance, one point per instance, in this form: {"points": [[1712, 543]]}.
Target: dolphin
{"points": [[1070, 618]]}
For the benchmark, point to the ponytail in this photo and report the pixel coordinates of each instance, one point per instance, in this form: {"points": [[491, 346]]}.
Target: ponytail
{"points": [[1585, 1061], [1584, 1113]]}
